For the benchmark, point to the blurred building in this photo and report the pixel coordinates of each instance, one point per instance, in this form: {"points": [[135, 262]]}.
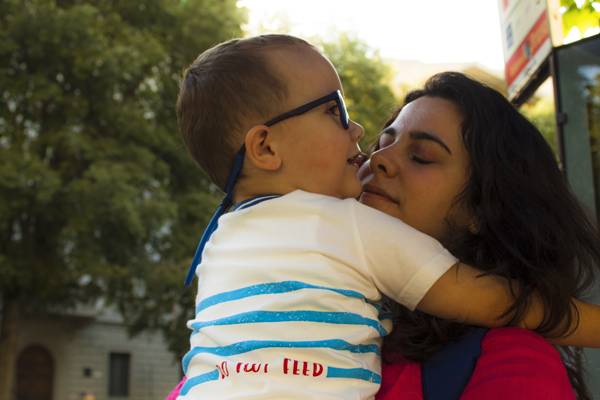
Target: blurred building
{"points": [[88, 355]]}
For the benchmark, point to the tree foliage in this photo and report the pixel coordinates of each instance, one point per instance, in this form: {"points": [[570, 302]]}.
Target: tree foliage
{"points": [[540, 111], [367, 82], [97, 193], [579, 14]]}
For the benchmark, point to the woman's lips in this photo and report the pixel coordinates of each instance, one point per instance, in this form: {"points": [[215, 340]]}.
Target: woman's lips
{"points": [[370, 191]]}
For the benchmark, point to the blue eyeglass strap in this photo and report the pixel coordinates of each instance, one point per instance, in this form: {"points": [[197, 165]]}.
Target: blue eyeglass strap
{"points": [[238, 162]]}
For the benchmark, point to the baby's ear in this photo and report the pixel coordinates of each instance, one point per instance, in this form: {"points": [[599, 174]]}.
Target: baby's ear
{"points": [[260, 149]]}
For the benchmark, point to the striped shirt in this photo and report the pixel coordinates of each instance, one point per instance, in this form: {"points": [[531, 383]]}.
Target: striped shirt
{"points": [[288, 298]]}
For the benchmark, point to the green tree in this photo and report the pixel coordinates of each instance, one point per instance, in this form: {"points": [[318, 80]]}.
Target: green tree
{"points": [[540, 111], [367, 82], [583, 15], [98, 198]]}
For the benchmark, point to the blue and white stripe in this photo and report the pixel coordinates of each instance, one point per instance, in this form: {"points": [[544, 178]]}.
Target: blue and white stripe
{"points": [[256, 317], [269, 289]]}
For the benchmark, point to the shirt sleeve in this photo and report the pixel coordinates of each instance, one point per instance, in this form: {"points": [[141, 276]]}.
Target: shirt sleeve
{"points": [[403, 262], [518, 364]]}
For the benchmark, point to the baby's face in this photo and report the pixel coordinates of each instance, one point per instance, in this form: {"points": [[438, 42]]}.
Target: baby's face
{"points": [[317, 151]]}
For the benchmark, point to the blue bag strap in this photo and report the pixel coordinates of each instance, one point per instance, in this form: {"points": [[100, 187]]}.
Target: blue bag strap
{"points": [[238, 163], [445, 375]]}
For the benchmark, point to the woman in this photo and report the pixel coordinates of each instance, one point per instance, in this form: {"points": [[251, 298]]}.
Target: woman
{"points": [[459, 163]]}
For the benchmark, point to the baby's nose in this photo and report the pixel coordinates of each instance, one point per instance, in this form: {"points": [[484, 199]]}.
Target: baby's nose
{"points": [[356, 130]]}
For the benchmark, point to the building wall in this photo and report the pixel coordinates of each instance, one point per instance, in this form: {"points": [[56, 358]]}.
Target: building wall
{"points": [[78, 343]]}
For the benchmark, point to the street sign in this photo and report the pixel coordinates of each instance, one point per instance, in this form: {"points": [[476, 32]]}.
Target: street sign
{"points": [[526, 40]]}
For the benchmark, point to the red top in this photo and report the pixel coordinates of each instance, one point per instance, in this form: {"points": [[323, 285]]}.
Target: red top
{"points": [[514, 364]]}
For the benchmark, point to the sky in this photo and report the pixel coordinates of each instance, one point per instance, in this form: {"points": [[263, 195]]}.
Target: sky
{"points": [[430, 31]]}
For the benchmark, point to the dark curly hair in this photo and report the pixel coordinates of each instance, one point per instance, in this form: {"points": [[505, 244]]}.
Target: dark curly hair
{"points": [[530, 227]]}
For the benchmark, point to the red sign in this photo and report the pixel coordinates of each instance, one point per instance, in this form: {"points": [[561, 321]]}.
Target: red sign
{"points": [[536, 37]]}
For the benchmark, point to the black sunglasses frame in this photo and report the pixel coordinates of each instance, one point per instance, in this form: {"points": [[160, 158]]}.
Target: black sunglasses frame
{"points": [[337, 96]]}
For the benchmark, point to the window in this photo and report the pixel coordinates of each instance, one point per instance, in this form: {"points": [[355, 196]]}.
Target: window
{"points": [[118, 374]]}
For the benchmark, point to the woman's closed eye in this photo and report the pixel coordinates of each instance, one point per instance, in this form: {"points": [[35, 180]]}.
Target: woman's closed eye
{"points": [[420, 160], [421, 153]]}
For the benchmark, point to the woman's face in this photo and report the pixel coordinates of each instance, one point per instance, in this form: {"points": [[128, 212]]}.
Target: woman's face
{"points": [[420, 167]]}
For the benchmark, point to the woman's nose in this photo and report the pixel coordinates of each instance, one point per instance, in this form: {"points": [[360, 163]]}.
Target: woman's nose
{"points": [[382, 165]]}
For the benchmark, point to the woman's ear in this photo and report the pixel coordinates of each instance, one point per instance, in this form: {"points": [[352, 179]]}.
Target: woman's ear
{"points": [[261, 151]]}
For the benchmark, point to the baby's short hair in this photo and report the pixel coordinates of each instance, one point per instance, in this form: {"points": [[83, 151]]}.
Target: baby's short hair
{"points": [[226, 86]]}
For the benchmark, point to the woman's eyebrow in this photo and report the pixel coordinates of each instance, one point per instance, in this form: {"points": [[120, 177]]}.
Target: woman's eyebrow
{"points": [[429, 136]]}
